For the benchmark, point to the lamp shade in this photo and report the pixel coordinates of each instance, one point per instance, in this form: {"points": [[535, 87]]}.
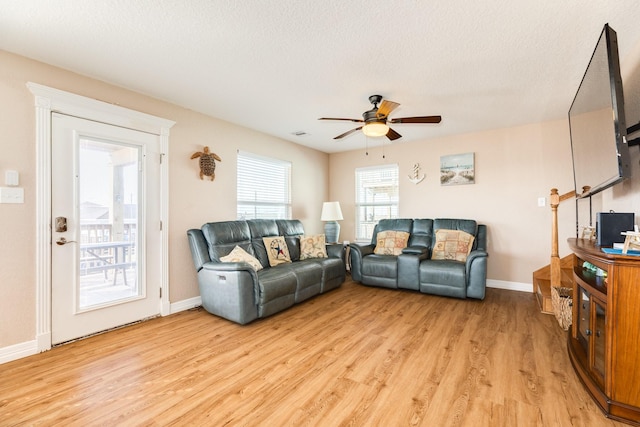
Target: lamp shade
{"points": [[331, 211]]}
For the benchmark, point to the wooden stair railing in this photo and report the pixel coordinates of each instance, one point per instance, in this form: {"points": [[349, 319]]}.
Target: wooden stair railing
{"points": [[560, 271], [554, 201]]}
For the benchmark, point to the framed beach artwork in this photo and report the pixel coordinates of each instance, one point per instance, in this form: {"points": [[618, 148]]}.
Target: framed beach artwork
{"points": [[456, 169]]}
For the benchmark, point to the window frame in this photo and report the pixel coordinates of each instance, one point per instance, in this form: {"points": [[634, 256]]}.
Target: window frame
{"points": [[364, 231]]}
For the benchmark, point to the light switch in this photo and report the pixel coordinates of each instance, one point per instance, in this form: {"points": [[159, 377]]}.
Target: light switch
{"points": [[542, 201], [11, 195], [11, 178]]}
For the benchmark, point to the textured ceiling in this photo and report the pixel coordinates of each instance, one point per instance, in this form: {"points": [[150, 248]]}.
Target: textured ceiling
{"points": [[277, 66]]}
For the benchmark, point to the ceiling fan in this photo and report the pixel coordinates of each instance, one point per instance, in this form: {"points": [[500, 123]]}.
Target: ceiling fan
{"points": [[375, 120]]}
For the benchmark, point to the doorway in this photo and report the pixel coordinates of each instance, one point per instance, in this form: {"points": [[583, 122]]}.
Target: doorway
{"points": [[47, 102]]}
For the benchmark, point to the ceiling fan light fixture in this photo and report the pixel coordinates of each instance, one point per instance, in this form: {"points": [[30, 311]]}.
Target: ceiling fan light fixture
{"points": [[375, 129]]}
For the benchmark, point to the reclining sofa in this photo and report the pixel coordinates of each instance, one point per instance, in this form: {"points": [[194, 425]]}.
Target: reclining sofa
{"points": [[241, 292], [416, 266]]}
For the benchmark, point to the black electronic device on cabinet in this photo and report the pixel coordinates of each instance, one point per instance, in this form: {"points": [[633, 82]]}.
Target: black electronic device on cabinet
{"points": [[609, 225]]}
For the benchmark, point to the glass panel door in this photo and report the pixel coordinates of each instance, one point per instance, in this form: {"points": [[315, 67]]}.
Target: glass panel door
{"points": [[109, 188], [599, 339], [584, 319]]}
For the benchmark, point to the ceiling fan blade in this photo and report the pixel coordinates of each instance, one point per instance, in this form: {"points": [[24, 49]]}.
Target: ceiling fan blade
{"points": [[348, 133], [393, 135], [386, 107], [348, 120], [419, 119]]}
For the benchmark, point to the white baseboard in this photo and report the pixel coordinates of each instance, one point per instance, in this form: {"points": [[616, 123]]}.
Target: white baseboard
{"points": [[510, 286], [18, 351], [186, 304]]}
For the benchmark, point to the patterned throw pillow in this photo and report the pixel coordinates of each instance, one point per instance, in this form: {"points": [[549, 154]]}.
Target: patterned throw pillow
{"points": [[313, 247], [391, 242], [240, 255], [277, 250], [452, 244]]}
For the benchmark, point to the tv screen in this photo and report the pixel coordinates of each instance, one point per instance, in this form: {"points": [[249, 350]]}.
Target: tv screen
{"points": [[597, 123]]}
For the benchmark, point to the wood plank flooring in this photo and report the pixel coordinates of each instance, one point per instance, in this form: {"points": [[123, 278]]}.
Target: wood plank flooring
{"points": [[356, 356]]}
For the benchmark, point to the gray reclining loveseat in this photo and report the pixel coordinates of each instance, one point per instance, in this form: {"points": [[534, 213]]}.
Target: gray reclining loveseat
{"points": [[415, 269], [236, 291]]}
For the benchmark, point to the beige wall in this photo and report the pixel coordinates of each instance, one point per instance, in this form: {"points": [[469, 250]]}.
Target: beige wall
{"points": [[513, 168], [192, 201]]}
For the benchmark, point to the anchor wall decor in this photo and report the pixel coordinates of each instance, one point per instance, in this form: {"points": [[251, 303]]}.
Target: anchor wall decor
{"points": [[415, 176]]}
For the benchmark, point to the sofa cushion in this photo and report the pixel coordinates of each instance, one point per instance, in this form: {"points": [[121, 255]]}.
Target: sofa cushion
{"points": [[452, 245], [277, 250], [380, 266], [260, 228], [380, 270], [277, 288], [391, 224], [292, 230], [443, 277], [313, 247], [391, 242], [240, 255], [222, 237], [422, 233], [333, 272], [467, 225], [309, 277]]}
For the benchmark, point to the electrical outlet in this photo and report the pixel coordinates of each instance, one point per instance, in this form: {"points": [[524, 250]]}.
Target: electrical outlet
{"points": [[542, 202]]}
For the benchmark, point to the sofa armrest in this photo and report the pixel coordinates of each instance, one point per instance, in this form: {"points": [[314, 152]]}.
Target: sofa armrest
{"points": [[336, 250], [416, 250], [476, 268], [357, 253], [409, 267], [229, 290], [198, 246], [363, 250], [229, 266]]}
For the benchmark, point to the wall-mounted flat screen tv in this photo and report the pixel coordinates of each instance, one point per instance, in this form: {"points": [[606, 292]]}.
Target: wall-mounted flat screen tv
{"points": [[597, 122]]}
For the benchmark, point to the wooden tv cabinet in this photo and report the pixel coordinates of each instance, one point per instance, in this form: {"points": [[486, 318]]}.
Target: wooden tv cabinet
{"points": [[604, 339]]}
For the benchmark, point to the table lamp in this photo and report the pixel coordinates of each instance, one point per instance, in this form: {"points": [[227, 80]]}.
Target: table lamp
{"points": [[331, 213]]}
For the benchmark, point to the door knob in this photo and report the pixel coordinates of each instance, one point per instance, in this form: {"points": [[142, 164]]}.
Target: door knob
{"points": [[62, 241]]}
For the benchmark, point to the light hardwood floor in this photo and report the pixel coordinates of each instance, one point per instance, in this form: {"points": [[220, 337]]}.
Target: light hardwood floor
{"points": [[356, 356]]}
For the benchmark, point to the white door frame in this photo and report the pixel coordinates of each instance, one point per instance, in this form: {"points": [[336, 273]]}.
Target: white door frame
{"points": [[47, 100]]}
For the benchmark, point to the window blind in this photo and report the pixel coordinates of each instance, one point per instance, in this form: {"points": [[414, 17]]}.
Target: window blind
{"points": [[376, 197], [263, 187]]}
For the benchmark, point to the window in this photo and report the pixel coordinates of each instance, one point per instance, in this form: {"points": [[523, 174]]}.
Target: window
{"points": [[264, 189], [376, 198]]}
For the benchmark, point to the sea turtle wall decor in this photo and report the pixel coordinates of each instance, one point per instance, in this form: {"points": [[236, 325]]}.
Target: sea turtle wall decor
{"points": [[207, 163]]}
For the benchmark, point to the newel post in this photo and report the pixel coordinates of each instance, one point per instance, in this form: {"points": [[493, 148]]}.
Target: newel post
{"points": [[554, 201]]}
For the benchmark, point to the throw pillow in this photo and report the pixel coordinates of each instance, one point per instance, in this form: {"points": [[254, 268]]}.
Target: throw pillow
{"points": [[391, 242], [452, 244], [277, 250], [313, 247], [240, 255]]}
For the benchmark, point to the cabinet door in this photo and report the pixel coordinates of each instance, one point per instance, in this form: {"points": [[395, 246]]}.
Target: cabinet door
{"points": [[598, 340], [584, 318]]}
